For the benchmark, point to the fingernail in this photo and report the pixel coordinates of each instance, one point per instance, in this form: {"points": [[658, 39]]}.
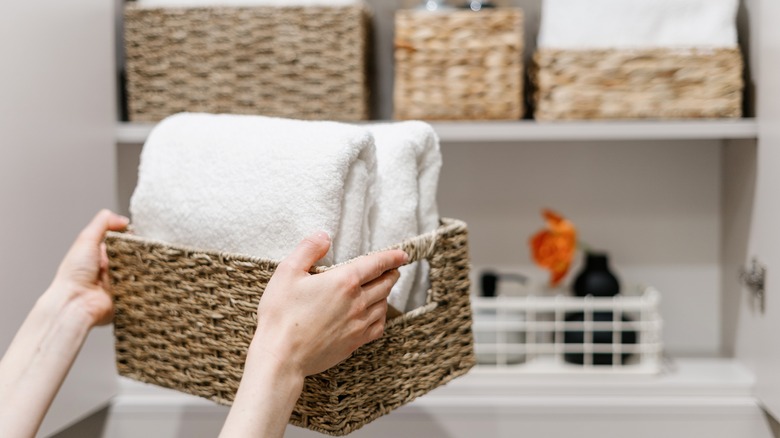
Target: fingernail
{"points": [[322, 236], [406, 257], [124, 219]]}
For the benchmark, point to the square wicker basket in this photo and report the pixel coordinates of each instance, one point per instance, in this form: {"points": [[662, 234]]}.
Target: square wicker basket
{"points": [[637, 83], [459, 65], [304, 62], [184, 320]]}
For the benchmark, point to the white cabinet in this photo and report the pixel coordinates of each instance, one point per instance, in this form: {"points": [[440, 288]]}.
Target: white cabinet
{"points": [[666, 178], [702, 398], [681, 205], [759, 346]]}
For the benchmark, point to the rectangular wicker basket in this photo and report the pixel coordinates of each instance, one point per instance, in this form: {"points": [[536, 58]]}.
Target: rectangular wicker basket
{"points": [[637, 83], [184, 319], [304, 62], [459, 65]]}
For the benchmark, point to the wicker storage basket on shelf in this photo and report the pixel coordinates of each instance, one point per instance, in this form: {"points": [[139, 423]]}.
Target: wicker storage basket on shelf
{"points": [[459, 65], [638, 83], [184, 320], [305, 62]]}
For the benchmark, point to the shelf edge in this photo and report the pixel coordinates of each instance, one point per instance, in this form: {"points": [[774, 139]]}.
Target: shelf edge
{"points": [[128, 133]]}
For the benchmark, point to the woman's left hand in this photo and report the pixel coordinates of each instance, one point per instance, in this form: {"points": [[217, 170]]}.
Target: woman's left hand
{"points": [[82, 275]]}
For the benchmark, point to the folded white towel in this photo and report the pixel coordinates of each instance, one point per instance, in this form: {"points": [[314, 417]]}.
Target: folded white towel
{"points": [[240, 3], [408, 166], [255, 185], [593, 24]]}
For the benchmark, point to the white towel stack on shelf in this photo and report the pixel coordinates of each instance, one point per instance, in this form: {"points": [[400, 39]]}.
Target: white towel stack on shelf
{"points": [[595, 24], [257, 185]]}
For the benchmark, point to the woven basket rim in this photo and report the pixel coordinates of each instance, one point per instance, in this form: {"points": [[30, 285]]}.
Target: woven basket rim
{"points": [[447, 225], [423, 247]]}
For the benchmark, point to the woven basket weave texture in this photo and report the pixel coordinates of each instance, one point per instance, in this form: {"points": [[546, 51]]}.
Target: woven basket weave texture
{"points": [[185, 318], [459, 65], [631, 84], [299, 62]]}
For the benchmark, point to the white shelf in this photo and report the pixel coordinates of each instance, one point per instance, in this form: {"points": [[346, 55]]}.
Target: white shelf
{"points": [[529, 130], [682, 377], [687, 378]]}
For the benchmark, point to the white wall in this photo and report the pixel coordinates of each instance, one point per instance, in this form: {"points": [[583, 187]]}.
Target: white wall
{"points": [[653, 206], [57, 167]]}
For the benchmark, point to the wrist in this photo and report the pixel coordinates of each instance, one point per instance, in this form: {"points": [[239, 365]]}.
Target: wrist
{"points": [[270, 346], [268, 363], [63, 302], [265, 398]]}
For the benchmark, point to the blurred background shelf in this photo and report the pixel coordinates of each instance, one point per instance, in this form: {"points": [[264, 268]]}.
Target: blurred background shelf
{"points": [[529, 130], [686, 377]]}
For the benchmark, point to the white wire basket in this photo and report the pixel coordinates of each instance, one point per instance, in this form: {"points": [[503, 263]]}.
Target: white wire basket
{"points": [[563, 334]]}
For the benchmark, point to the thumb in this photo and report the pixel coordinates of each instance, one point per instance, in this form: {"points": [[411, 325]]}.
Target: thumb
{"points": [[103, 221], [306, 254]]}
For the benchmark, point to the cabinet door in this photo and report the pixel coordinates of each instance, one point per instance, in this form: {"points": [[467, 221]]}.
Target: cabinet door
{"points": [[759, 337], [57, 119]]}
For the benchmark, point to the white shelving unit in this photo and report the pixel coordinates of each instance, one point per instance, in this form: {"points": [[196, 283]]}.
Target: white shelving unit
{"points": [[684, 377], [691, 378], [529, 130], [689, 179], [710, 397]]}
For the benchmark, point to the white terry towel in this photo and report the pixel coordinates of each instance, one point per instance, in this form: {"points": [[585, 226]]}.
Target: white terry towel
{"points": [[255, 185], [595, 24], [241, 3], [408, 166]]}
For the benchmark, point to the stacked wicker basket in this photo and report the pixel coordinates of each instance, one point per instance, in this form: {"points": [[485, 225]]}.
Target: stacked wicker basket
{"points": [[305, 62], [464, 65], [311, 62], [617, 59], [459, 65], [637, 83]]}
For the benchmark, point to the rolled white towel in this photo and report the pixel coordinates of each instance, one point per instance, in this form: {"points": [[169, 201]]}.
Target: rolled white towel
{"points": [[596, 24], [240, 3], [255, 185], [408, 166]]}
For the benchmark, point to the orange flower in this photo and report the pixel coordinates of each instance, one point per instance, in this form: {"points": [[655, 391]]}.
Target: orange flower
{"points": [[553, 248]]}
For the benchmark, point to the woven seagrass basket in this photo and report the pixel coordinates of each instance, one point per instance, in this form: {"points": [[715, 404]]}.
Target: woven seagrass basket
{"points": [[184, 320], [304, 62], [637, 83], [459, 65]]}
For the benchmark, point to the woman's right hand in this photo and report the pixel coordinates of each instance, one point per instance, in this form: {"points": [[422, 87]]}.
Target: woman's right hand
{"points": [[305, 325], [312, 322]]}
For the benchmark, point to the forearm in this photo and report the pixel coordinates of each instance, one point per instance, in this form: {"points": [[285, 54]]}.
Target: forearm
{"points": [[265, 398], [35, 365]]}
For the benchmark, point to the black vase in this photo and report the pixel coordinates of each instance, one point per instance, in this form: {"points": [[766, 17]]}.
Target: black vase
{"points": [[595, 278]]}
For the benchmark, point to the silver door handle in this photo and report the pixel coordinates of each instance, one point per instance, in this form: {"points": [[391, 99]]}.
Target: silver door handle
{"points": [[754, 279]]}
